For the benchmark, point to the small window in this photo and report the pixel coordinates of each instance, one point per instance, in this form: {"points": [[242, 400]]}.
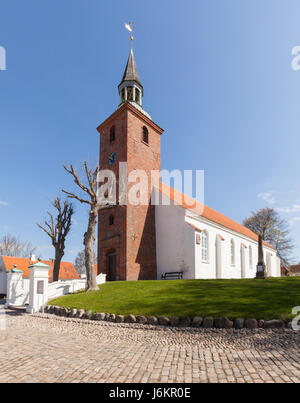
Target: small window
{"points": [[111, 220], [123, 95], [137, 95], [129, 93], [204, 246], [232, 253], [145, 135], [112, 134]]}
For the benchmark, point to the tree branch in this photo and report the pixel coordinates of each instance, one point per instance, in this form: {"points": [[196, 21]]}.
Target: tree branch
{"points": [[73, 196], [72, 172]]}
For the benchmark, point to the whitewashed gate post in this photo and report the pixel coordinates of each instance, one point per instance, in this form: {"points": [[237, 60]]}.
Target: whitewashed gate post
{"points": [[14, 293], [38, 292]]}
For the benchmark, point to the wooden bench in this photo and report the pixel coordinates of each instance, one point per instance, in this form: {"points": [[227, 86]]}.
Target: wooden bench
{"points": [[175, 275]]}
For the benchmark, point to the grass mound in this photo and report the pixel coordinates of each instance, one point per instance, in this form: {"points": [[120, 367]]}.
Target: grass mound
{"points": [[247, 298]]}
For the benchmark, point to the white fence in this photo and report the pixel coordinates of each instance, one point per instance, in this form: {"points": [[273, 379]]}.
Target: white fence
{"points": [[22, 292], [17, 289], [26, 288], [60, 288]]}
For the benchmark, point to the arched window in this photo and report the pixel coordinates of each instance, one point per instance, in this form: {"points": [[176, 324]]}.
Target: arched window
{"points": [[232, 253], [250, 257], [112, 134], [204, 246], [145, 135], [111, 220]]}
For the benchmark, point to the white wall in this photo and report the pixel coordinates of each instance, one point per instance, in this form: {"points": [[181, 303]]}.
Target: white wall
{"points": [[60, 288], [208, 269], [24, 291], [26, 287], [173, 242], [17, 290], [177, 249]]}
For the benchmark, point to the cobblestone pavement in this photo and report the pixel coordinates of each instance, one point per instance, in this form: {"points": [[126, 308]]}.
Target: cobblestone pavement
{"points": [[44, 348]]}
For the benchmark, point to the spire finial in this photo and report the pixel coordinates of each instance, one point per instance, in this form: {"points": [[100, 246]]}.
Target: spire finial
{"points": [[130, 27]]}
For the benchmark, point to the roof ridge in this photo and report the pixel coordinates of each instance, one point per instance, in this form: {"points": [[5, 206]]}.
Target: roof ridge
{"points": [[210, 214]]}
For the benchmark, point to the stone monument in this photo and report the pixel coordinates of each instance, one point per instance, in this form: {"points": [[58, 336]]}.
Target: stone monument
{"points": [[260, 267]]}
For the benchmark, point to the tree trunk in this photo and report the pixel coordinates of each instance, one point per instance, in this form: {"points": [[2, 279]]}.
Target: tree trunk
{"points": [[89, 243], [58, 257]]}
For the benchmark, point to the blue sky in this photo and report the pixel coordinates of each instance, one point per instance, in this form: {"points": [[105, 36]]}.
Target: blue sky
{"points": [[217, 77]]}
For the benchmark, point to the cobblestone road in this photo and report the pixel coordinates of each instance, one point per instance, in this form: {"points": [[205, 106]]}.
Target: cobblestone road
{"points": [[44, 348]]}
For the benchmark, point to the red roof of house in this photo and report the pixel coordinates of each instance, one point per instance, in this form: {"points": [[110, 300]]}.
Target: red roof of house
{"points": [[67, 269], [191, 204], [295, 268]]}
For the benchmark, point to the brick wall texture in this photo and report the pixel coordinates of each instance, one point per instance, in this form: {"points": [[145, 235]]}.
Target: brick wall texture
{"points": [[132, 235]]}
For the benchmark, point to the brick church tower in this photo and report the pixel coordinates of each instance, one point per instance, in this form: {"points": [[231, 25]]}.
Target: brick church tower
{"points": [[126, 233]]}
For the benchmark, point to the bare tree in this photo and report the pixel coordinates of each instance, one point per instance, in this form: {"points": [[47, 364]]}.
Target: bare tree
{"points": [[79, 262], [273, 229], [91, 175], [12, 246], [57, 229]]}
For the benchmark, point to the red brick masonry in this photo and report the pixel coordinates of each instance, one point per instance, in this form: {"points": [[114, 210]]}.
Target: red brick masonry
{"points": [[132, 235]]}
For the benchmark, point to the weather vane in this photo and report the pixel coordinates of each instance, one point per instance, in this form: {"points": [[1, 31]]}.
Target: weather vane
{"points": [[130, 27]]}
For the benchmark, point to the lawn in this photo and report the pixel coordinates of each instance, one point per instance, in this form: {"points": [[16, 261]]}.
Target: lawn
{"points": [[261, 299]]}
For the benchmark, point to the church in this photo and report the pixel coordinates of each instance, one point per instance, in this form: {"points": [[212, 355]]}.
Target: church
{"points": [[146, 241]]}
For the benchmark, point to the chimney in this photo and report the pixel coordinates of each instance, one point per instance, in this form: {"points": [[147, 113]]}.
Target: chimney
{"points": [[32, 258]]}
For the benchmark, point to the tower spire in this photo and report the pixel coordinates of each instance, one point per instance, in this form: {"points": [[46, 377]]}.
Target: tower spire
{"points": [[131, 73], [130, 88]]}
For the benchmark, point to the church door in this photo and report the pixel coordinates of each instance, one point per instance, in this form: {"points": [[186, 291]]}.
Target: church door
{"points": [[111, 266]]}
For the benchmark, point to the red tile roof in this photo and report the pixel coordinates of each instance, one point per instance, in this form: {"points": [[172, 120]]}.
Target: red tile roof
{"points": [[295, 268], [191, 204], [67, 269]]}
